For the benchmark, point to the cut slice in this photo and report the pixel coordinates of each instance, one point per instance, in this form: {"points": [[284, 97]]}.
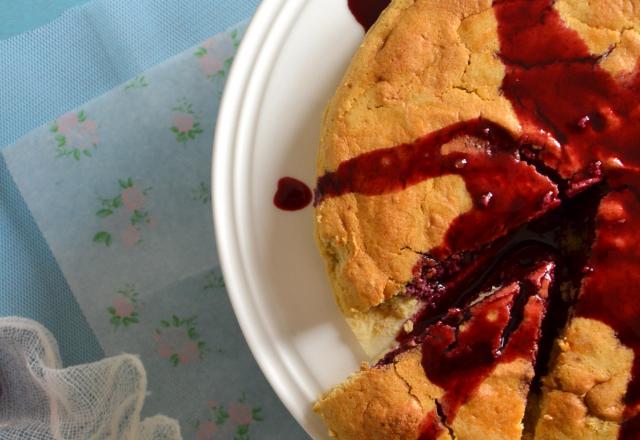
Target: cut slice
{"points": [[466, 376], [593, 388]]}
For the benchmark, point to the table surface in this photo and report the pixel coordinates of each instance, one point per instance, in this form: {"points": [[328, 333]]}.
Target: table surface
{"points": [[18, 16], [32, 94]]}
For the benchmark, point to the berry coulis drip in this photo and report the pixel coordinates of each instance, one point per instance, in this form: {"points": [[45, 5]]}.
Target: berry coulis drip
{"points": [[366, 12], [560, 92], [481, 152], [463, 349], [292, 194], [567, 103]]}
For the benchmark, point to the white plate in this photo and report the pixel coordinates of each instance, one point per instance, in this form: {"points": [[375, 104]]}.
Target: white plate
{"points": [[290, 62]]}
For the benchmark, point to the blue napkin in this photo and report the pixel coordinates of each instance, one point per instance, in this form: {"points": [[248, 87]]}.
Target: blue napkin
{"points": [[105, 221]]}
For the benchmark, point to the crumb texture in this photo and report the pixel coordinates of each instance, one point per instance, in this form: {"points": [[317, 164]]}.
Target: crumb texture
{"points": [[583, 393]]}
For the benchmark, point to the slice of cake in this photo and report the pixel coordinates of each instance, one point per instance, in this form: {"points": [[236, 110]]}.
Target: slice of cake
{"points": [[466, 376]]}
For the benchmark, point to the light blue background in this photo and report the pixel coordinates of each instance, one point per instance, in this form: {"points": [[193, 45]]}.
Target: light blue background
{"points": [[19, 16], [47, 71], [84, 53]]}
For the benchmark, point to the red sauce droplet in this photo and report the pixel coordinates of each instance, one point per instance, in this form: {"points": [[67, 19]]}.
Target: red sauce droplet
{"points": [[292, 194], [366, 12]]}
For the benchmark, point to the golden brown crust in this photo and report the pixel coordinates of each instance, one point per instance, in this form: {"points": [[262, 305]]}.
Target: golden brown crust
{"points": [[391, 402], [583, 393], [380, 403]]}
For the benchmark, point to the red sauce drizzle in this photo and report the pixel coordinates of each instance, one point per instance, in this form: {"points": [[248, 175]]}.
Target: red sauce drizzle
{"points": [[366, 12], [577, 111], [485, 156], [292, 194], [560, 92], [431, 427], [500, 329]]}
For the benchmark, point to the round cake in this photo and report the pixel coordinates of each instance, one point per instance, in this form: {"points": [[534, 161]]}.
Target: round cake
{"points": [[477, 204]]}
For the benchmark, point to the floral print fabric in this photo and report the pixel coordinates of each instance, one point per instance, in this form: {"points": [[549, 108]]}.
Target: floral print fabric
{"points": [[122, 196]]}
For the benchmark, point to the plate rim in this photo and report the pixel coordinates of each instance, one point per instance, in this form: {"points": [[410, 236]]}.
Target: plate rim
{"points": [[259, 32]]}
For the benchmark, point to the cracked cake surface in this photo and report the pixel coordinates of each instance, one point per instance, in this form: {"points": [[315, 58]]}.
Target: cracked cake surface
{"points": [[459, 127], [466, 376]]}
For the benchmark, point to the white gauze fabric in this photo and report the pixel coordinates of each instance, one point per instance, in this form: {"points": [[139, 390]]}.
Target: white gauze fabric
{"points": [[40, 400]]}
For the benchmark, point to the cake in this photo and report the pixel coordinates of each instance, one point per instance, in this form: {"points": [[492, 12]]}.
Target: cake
{"points": [[464, 135], [465, 376]]}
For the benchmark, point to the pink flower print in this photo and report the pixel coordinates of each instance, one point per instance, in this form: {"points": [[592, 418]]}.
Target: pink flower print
{"points": [[184, 122], [80, 132], [188, 352], [210, 64], [206, 430], [67, 123], [124, 215], [133, 199], [165, 346], [130, 236], [240, 413], [75, 135], [175, 342], [123, 307], [179, 341], [216, 54]]}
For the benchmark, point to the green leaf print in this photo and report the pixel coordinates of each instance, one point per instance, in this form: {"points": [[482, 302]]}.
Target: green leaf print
{"points": [[61, 140], [104, 213], [136, 83], [256, 413], [103, 237], [201, 52]]}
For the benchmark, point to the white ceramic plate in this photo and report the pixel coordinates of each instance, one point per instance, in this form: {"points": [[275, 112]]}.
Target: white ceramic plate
{"points": [[290, 62]]}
